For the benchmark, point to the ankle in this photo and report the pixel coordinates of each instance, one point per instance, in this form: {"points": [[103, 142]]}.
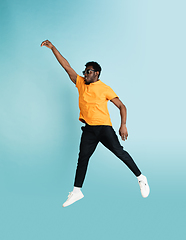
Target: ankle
{"points": [[76, 190], [141, 178]]}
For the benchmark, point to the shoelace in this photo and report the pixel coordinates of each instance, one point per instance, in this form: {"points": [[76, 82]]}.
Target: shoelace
{"points": [[142, 184], [70, 194]]}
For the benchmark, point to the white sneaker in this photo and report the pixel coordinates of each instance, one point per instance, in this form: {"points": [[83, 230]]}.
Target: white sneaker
{"points": [[73, 197], [144, 187]]}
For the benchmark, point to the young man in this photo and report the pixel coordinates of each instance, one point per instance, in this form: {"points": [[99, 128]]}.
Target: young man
{"points": [[93, 98]]}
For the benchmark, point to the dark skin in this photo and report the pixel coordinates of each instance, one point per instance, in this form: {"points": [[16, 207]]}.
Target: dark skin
{"points": [[90, 78]]}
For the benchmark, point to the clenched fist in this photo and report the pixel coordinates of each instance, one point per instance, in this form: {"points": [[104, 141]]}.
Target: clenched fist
{"points": [[47, 44]]}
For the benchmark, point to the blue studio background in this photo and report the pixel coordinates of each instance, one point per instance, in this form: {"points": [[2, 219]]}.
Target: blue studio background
{"points": [[141, 48]]}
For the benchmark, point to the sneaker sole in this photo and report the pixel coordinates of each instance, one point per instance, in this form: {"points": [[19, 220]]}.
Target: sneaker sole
{"points": [[73, 202]]}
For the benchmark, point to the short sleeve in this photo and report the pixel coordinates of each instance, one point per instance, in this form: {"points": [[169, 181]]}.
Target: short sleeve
{"points": [[79, 81], [110, 94]]}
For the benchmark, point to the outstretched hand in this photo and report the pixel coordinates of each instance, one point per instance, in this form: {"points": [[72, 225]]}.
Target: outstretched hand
{"points": [[47, 43], [123, 132]]}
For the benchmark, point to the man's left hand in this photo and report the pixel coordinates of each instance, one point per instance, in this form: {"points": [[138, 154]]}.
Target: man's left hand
{"points": [[123, 132]]}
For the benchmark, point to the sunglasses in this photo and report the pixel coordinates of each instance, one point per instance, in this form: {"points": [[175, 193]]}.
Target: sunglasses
{"points": [[88, 71]]}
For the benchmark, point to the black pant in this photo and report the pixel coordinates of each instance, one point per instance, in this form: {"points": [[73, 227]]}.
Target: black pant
{"points": [[90, 138]]}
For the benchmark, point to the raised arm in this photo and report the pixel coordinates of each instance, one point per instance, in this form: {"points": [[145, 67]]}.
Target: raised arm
{"points": [[123, 113], [64, 63]]}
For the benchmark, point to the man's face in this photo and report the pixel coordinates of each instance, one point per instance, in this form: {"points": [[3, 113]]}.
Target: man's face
{"points": [[90, 75]]}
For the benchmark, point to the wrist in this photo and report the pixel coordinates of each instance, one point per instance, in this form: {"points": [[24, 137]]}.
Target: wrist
{"points": [[52, 48]]}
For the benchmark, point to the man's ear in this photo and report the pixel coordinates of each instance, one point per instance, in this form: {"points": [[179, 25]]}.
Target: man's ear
{"points": [[97, 74]]}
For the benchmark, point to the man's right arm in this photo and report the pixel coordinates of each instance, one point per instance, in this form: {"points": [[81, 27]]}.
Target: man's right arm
{"points": [[64, 63]]}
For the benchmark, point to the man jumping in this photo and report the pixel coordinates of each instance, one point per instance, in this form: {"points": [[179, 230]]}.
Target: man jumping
{"points": [[93, 98]]}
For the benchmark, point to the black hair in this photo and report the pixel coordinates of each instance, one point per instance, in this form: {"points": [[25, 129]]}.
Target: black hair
{"points": [[95, 66]]}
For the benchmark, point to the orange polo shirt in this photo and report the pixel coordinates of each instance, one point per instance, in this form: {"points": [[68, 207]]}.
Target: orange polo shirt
{"points": [[93, 100]]}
